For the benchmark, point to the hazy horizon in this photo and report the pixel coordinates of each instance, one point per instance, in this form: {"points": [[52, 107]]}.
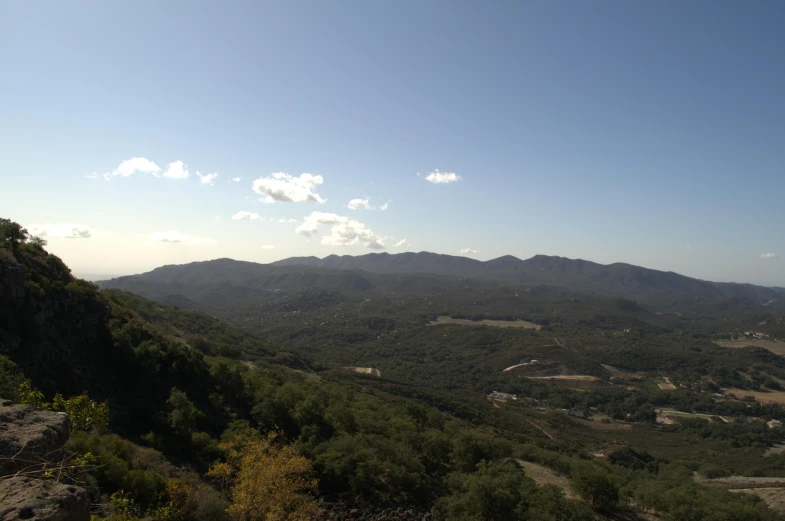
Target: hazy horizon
{"points": [[94, 277], [151, 133]]}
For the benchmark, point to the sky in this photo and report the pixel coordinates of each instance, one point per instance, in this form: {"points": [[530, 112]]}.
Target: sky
{"points": [[138, 134]]}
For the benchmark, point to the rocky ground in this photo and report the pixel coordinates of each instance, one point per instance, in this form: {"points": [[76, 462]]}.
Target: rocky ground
{"points": [[30, 442]]}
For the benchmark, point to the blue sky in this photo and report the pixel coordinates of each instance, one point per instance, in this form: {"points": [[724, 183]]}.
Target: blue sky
{"points": [[643, 132]]}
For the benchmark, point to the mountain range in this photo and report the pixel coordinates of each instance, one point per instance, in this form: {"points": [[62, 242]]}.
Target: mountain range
{"points": [[414, 272]]}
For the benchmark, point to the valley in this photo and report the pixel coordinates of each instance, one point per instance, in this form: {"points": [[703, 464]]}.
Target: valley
{"points": [[405, 391]]}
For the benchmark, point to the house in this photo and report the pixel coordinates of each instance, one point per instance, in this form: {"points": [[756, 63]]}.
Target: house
{"points": [[774, 424]]}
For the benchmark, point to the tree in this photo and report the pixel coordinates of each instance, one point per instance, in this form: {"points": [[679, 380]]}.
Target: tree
{"points": [[596, 485], [12, 235], [269, 481], [183, 414]]}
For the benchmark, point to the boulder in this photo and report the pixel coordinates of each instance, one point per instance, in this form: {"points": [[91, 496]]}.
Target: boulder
{"points": [[23, 498], [29, 439]]}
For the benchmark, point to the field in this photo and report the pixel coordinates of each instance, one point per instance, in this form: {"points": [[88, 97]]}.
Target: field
{"points": [[493, 323], [771, 490], [673, 412], [776, 347], [579, 377], [774, 497], [600, 426], [762, 397], [545, 476], [773, 451]]}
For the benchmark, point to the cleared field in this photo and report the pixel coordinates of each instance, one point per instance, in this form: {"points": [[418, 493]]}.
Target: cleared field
{"points": [[776, 347], [673, 412], [771, 396], [739, 482], [776, 449], [600, 426], [579, 377], [493, 323], [771, 490], [544, 476], [774, 497]]}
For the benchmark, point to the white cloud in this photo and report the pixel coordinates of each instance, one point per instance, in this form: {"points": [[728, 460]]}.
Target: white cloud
{"points": [[689, 247], [245, 216], [217, 217], [207, 179], [470, 251], [768, 256], [235, 179], [94, 175], [402, 242], [359, 203], [287, 220], [343, 231], [176, 170], [384, 206], [130, 167], [437, 177], [177, 237], [268, 246], [66, 231], [283, 188]]}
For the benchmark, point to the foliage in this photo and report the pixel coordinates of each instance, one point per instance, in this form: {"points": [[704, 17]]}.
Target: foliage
{"points": [[268, 481]]}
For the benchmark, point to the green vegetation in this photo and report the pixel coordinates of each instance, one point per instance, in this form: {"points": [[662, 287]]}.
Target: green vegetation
{"points": [[175, 410]]}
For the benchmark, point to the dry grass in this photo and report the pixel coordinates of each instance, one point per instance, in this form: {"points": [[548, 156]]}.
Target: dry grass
{"points": [[581, 377], [600, 426], [762, 397], [771, 490], [774, 497], [493, 323], [545, 476], [776, 347], [776, 449]]}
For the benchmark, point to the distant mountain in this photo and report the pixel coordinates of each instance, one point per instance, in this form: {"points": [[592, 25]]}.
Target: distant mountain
{"points": [[617, 279]]}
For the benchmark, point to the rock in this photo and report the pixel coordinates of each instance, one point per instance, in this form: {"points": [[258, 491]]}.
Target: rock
{"points": [[30, 438], [23, 498], [29, 441]]}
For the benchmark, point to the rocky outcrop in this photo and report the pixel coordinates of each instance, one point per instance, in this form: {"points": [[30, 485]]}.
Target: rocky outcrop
{"points": [[28, 438], [24, 498], [30, 443]]}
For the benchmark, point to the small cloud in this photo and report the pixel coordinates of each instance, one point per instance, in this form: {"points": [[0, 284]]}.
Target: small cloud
{"points": [[245, 216], [94, 175], [131, 166], [402, 242], [284, 188], [235, 179], [689, 247], [207, 179], [343, 231], [469, 251], [359, 203], [174, 236], [437, 177], [217, 217], [268, 246], [768, 256], [384, 206], [65, 231], [287, 220], [176, 170]]}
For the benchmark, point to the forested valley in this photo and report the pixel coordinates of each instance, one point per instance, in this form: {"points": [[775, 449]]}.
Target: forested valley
{"points": [[389, 395]]}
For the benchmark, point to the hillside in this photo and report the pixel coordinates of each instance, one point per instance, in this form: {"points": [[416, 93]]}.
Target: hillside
{"points": [[624, 280], [435, 426]]}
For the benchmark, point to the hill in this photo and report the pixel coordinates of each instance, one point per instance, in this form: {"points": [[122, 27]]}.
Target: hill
{"points": [[618, 279]]}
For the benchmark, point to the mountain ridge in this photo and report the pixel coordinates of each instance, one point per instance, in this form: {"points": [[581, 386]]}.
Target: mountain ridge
{"points": [[226, 277]]}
